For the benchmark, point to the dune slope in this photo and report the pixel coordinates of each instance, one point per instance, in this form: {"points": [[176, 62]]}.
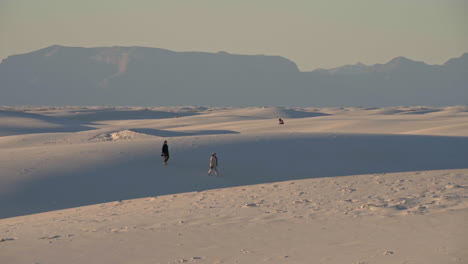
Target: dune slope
{"points": [[416, 217], [331, 185]]}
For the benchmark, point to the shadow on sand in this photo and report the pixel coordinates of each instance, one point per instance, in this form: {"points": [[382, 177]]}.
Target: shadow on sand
{"points": [[167, 133], [113, 114], [39, 124], [251, 161]]}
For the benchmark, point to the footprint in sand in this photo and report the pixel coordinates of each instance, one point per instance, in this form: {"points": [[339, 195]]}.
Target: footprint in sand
{"points": [[249, 205], [190, 259], [51, 237], [119, 230], [7, 239], [89, 229]]}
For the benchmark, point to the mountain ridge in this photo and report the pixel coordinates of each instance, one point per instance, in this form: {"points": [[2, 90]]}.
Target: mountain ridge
{"points": [[118, 75], [396, 60]]}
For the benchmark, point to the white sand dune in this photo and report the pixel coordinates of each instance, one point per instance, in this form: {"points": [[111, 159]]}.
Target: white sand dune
{"points": [[106, 114], [417, 217], [268, 113], [332, 185]]}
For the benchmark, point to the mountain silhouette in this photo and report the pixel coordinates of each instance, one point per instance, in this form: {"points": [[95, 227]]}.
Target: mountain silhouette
{"points": [[59, 75]]}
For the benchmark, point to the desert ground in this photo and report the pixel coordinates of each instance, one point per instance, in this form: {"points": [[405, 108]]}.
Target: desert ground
{"points": [[331, 185]]}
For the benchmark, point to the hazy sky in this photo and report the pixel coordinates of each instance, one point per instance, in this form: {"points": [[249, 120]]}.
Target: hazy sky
{"points": [[312, 33]]}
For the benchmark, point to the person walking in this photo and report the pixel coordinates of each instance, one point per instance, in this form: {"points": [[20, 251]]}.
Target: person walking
{"points": [[165, 152], [213, 165]]}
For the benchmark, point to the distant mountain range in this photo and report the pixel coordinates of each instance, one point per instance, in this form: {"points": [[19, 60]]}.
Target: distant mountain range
{"points": [[143, 76], [398, 64]]}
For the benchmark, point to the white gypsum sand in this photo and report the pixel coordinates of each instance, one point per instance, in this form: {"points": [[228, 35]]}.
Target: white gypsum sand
{"points": [[332, 185]]}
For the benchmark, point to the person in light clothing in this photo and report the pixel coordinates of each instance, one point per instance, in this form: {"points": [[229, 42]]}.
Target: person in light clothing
{"points": [[213, 165]]}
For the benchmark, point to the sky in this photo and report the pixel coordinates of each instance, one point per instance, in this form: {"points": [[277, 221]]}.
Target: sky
{"points": [[312, 33]]}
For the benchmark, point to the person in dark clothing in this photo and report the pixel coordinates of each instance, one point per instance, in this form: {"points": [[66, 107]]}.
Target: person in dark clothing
{"points": [[281, 122], [165, 152]]}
